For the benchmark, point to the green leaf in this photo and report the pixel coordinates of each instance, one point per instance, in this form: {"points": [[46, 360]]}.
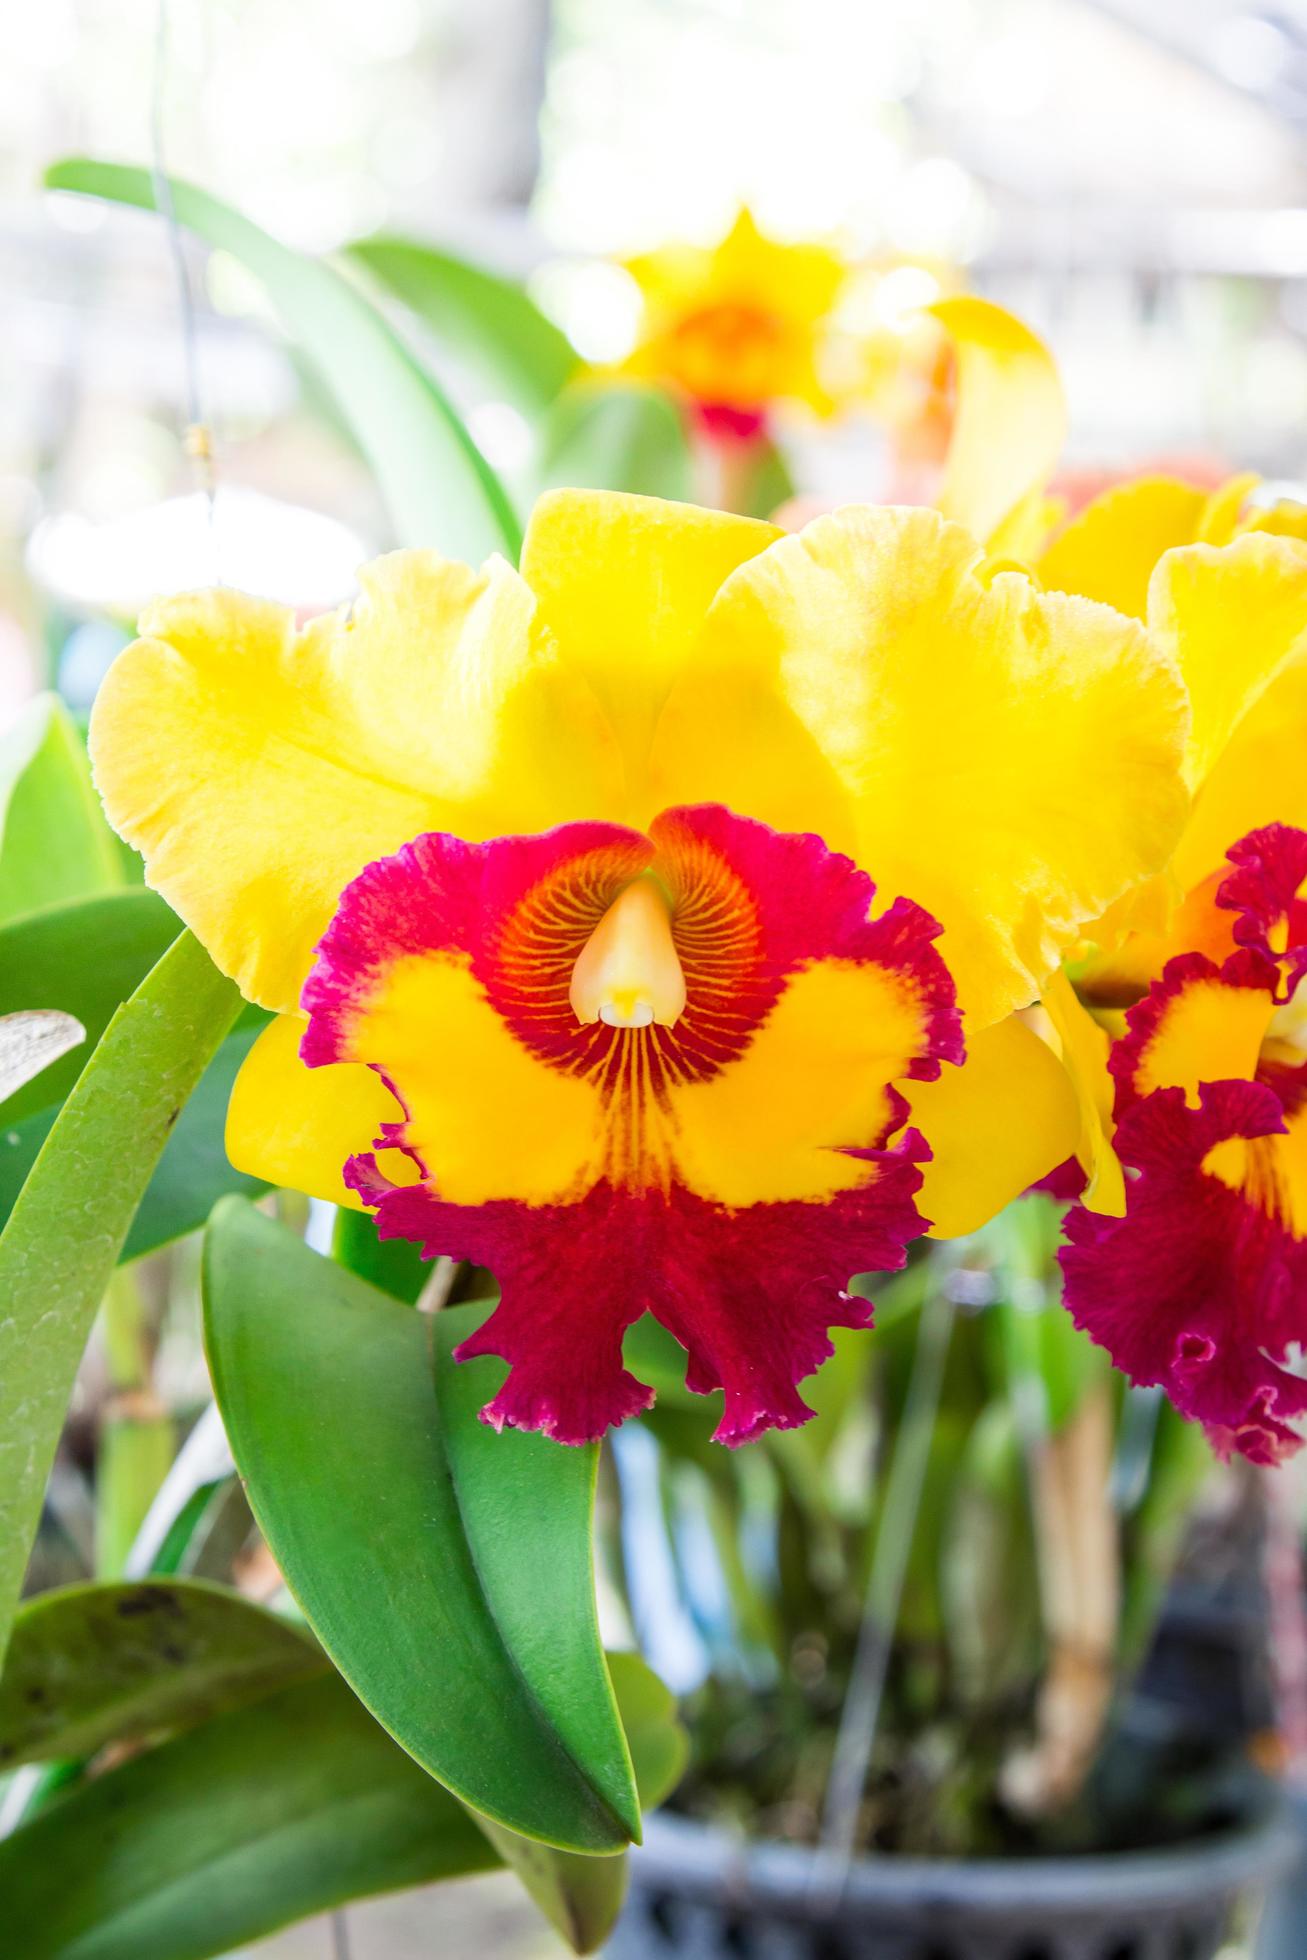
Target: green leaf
{"points": [[192, 1174], [604, 437], [658, 1743], [395, 1265], [579, 1896], [487, 322], [84, 957], [438, 486], [290, 1806], [769, 483], [445, 1569], [67, 1228], [54, 841], [94, 1664]]}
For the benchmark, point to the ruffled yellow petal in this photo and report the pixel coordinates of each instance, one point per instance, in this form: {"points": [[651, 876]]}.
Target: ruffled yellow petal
{"points": [[1110, 550], [1010, 422], [623, 585], [1232, 618], [1260, 777], [1009, 759], [1003, 1120], [1223, 512], [297, 1127], [1084, 1049], [258, 768]]}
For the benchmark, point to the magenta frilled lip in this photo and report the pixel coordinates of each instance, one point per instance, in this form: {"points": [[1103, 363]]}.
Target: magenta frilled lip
{"points": [[728, 1172], [1201, 1287]]}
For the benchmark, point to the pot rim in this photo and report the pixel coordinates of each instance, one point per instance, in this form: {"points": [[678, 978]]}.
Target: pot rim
{"points": [[708, 1863]]}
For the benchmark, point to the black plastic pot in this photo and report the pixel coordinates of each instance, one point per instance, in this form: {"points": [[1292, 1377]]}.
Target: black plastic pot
{"points": [[698, 1894]]}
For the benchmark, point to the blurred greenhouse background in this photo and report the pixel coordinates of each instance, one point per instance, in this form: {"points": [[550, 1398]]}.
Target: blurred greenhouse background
{"points": [[1130, 175]]}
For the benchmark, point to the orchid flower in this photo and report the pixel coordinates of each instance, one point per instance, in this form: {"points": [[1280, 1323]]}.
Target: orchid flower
{"points": [[739, 327], [559, 882], [1199, 1282], [1183, 1031]]}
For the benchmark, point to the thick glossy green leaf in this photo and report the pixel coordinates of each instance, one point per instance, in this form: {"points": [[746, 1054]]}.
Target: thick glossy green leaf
{"points": [[67, 1228], [93, 1664], [192, 1174], [84, 957], [54, 841], [606, 437], [488, 322], [445, 1569], [439, 488], [581, 1897], [262, 1816]]}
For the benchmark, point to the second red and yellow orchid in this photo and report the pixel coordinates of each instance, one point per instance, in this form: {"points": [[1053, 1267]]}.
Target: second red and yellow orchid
{"points": [[559, 881], [1180, 1019]]}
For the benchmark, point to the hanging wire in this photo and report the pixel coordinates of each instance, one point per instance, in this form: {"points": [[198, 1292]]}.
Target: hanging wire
{"points": [[197, 435]]}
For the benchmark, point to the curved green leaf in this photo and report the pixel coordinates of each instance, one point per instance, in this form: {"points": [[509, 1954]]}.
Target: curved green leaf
{"points": [[446, 1570], [579, 1896], [193, 1172], [83, 957], [93, 1664], [488, 322], [54, 841], [603, 436], [438, 486], [290, 1806], [67, 1228]]}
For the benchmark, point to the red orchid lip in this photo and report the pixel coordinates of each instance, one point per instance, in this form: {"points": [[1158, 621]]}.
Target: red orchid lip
{"points": [[1202, 1286], [749, 1285]]}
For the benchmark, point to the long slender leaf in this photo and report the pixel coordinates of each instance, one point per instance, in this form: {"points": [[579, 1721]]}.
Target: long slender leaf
{"points": [[606, 436], [84, 957], [445, 1570], [54, 842], [439, 488], [65, 1232], [488, 322], [287, 1807], [101, 1663]]}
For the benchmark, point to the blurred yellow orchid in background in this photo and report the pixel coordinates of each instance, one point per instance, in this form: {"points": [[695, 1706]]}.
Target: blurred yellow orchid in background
{"points": [[738, 328]]}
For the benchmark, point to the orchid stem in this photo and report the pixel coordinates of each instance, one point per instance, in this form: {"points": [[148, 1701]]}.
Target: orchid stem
{"points": [[860, 1718]]}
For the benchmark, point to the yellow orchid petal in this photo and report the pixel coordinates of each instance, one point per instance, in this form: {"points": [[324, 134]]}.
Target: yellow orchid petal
{"points": [[258, 768], [1011, 414], [1009, 759], [1260, 777], [995, 1126], [1232, 618], [1110, 550], [1084, 1048], [297, 1127], [1223, 511], [623, 584]]}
